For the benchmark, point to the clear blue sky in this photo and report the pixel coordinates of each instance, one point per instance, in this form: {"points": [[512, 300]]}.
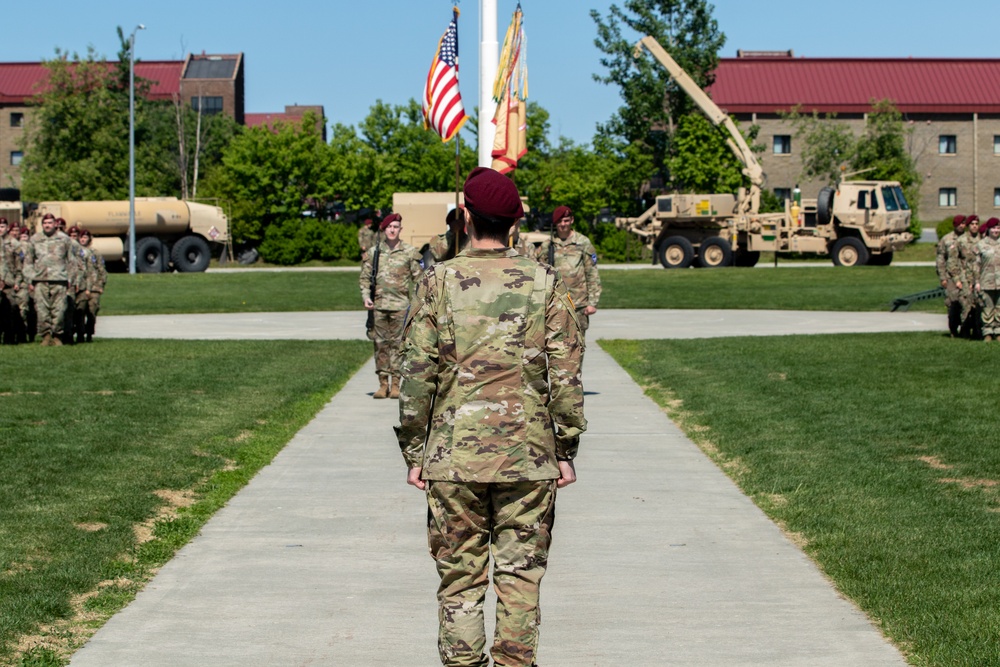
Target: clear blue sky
{"points": [[345, 55]]}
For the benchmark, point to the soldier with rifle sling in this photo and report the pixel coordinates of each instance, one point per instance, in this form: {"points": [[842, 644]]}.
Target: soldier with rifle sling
{"points": [[388, 279]]}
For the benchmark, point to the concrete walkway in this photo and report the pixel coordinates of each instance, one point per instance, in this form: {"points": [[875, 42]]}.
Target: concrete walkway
{"points": [[658, 559]]}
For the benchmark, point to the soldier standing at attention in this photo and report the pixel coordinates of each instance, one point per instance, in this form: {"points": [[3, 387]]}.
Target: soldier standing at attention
{"points": [[574, 258], [6, 286], [399, 269], [986, 268], [51, 271], [366, 238], [965, 250], [88, 298], [491, 413], [442, 246], [946, 248]]}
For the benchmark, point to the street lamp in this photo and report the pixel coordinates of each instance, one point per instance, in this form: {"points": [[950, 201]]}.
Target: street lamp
{"points": [[131, 148]]}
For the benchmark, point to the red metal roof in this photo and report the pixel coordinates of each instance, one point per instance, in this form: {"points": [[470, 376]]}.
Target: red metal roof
{"points": [[848, 85], [19, 82]]}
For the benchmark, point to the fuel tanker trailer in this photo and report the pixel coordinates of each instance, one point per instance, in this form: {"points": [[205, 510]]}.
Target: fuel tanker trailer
{"points": [[170, 233]]}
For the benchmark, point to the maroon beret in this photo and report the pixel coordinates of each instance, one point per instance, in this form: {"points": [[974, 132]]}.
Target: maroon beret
{"points": [[3, 221], [989, 224], [73, 229], [560, 213], [48, 216], [367, 222], [958, 220], [389, 219], [972, 219], [491, 195]]}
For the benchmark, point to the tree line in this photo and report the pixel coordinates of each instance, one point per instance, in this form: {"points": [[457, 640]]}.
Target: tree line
{"points": [[268, 178]]}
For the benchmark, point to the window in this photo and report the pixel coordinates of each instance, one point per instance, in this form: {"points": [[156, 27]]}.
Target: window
{"points": [[783, 193], [948, 197], [782, 144], [996, 144], [947, 144], [996, 197], [209, 105], [16, 157], [16, 119]]}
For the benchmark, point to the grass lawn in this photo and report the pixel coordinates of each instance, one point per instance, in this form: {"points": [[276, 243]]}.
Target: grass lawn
{"points": [[877, 453], [114, 454], [868, 288]]}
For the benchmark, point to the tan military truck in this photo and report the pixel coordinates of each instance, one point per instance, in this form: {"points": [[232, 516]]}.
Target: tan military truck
{"points": [[856, 222], [10, 205], [169, 232]]}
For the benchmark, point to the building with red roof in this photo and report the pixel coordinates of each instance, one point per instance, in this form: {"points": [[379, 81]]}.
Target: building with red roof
{"points": [[211, 83], [951, 107]]}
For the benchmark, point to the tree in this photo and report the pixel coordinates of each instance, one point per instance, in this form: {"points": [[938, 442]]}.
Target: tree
{"points": [[701, 161], [76, 145], [653, 101], [828, 144], [269, 176]]}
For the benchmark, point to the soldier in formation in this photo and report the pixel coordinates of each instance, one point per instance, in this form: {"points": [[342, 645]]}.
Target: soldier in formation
{"points": [[949, 274], [399, 269], [366, 238], [51, 270], [491, 412], [573, 256], [89, 291], [986, 272], [962, 266], [446, 246]]}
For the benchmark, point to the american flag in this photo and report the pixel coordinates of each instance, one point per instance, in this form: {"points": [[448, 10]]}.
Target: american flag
{"points": [[443, 110]]}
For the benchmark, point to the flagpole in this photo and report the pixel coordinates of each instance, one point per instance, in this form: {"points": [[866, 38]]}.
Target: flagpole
{"points": [[458, 180], [489, 60]]}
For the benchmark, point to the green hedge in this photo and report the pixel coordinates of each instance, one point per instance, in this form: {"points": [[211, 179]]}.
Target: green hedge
{"points": [[300, 240]]}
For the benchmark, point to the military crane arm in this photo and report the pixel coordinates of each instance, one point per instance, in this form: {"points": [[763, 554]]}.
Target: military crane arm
{"points": [[737, 144]]}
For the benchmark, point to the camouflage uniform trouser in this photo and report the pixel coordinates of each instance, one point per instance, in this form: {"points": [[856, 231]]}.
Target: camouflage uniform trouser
{"points": [[465, 521], [16, 313], [970, 311], [87, 308], [50, 306], [991, 313], [953, 305], [389, 340]]}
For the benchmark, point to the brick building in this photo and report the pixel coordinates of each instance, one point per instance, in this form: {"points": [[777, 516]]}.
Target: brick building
{"points": [[951, 105], [213, 83]]}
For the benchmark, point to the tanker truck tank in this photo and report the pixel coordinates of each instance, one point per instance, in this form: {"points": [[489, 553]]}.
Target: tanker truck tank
{"points": [[170, 233]]}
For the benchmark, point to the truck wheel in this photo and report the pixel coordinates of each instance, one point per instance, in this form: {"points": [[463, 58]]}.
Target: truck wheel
{"points": [[150, 255], [676, 252], [715, 252], [885, 259], [824, 205], [191, 254], [849, 251], [745, 258]]}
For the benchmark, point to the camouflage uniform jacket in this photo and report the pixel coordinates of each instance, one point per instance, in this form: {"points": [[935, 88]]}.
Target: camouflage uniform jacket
{"points": [[95, 275], [366, 239], [960, 265], [576, 262], [6, 261], [946, 248], [51, 258], [491, 372], [399, 269], [442, 246], [986, 264]]}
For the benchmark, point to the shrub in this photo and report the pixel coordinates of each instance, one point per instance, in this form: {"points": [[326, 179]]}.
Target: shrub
{"points": [[944, 227], [614, 244], [299, 240]]}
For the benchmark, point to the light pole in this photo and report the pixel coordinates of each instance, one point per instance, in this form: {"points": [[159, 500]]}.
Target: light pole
{"points": [[131, 148]]}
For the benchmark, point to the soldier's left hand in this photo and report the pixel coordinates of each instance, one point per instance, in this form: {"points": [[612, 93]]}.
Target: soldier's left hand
{"points": [[589, 310], [413, 478]]}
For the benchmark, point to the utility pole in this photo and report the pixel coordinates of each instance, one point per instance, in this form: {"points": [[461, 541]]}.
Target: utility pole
{"points": [[131, 148]]}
